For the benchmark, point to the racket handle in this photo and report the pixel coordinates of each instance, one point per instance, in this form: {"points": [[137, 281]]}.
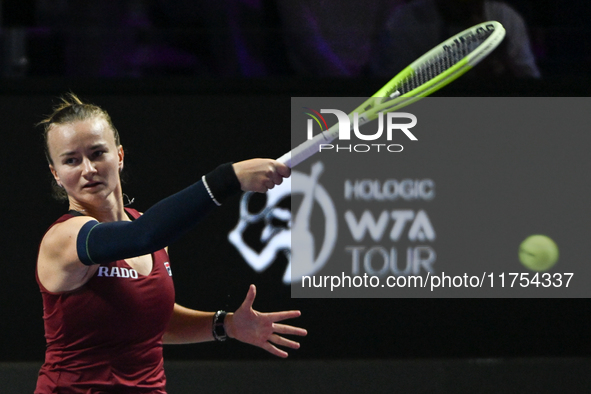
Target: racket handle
{"points": [[306, 149]]}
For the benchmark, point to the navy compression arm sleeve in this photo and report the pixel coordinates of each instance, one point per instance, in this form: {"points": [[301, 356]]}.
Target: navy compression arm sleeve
{"points": [[99, 243]]}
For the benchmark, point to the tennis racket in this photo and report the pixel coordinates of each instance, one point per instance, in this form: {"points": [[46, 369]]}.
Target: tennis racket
{"points": [[429, 73]]}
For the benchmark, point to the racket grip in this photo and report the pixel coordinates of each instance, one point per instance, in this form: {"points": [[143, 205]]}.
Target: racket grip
{"points": [[305, 149]]}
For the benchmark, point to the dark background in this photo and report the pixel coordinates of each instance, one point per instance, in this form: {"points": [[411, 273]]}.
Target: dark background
{"points": [[179, 122], [170, 139]]}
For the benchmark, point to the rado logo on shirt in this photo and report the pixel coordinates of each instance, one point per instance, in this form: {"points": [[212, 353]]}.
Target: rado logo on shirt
{"points": [[117, 272]]}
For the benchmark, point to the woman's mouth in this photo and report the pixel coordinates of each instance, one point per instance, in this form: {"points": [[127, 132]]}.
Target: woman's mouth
{"points": [[90, 185]]}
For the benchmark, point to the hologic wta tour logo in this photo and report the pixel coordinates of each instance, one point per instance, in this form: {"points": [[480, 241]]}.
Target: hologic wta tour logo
{"points": [[347, 123], [376, 238]]}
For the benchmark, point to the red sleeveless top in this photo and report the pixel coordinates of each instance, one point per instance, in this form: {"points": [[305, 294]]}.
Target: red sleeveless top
{"points": [[106, 336]]}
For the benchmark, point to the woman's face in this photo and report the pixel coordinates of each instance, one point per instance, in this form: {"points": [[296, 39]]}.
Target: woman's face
{"points": [[86, 160]]}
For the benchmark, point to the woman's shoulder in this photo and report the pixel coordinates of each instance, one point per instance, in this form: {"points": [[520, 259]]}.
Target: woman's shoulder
{"points": [[64, 229]]}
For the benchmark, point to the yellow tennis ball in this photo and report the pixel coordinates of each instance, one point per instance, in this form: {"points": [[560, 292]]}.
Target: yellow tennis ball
{"points": [[538, 253]]}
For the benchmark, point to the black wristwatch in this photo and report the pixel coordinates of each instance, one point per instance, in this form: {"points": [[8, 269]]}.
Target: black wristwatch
{"points": [[218, 330]]}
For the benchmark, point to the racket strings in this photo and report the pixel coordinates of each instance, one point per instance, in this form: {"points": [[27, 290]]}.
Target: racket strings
{"points": [[439, 63]]}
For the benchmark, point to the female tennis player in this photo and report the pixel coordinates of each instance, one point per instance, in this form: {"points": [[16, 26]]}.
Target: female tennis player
{"points": [[104, 271]]}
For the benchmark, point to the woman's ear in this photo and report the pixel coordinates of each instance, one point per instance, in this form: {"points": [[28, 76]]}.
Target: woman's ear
{"points": [[121, 155], [55, 175]]}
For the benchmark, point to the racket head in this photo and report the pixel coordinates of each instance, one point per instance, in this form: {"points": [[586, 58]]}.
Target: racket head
{"points": [[429, 73], [435, 69]]}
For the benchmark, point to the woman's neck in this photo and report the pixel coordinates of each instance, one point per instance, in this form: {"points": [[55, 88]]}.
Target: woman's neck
{"points": [[110, 209]]}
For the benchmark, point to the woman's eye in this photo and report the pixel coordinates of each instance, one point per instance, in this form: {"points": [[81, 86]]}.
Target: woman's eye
{"points": [[70, 161], [99, 153]]}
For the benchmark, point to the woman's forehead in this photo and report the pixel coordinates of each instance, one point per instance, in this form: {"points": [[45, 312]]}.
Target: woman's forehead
{"points": [[80, 131]]}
